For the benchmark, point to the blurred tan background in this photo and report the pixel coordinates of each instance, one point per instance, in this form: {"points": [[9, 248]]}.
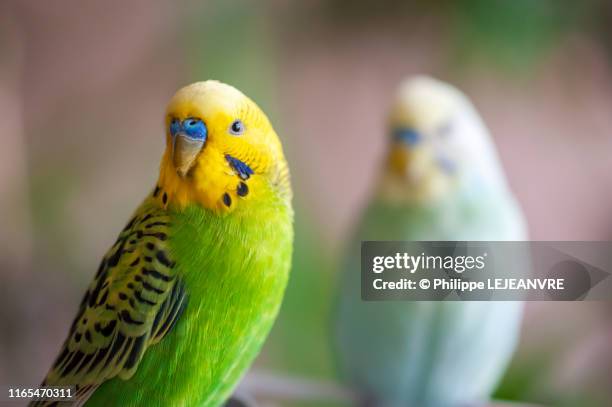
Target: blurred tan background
{"points": [[83, 87]]}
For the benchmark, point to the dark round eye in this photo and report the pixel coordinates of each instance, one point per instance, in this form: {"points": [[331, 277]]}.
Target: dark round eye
{"points": [[237, 127]]}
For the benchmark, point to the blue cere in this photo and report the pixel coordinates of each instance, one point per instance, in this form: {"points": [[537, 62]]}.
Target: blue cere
{"points": [[242, 168], [408, 136], [175, 127], [195, 128], [192, 127]]}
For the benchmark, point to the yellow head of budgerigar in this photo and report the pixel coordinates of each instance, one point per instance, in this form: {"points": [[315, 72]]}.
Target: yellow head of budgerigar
{"points": [[221, 150], [437, 140]]}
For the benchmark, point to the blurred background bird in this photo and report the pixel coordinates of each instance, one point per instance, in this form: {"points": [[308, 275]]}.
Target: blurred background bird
{"points": [[441, 180], [183, 301]]}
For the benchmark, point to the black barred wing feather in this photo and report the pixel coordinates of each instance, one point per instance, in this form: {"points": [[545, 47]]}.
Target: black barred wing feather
{"points": [[133, 302]]}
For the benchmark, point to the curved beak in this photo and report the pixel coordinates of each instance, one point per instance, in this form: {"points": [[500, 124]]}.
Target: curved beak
{"points": [[409, 163], [185, 149]]}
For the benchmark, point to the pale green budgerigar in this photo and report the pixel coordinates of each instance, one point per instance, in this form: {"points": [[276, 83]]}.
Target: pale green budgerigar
{"points": [[441, 180]]}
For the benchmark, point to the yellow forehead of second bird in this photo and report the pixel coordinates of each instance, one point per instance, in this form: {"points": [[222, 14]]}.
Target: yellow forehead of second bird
{"points": [[424, 104]]}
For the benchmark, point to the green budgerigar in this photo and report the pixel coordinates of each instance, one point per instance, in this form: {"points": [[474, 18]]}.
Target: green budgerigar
{"points": [[441, 180], [184, 299]]}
